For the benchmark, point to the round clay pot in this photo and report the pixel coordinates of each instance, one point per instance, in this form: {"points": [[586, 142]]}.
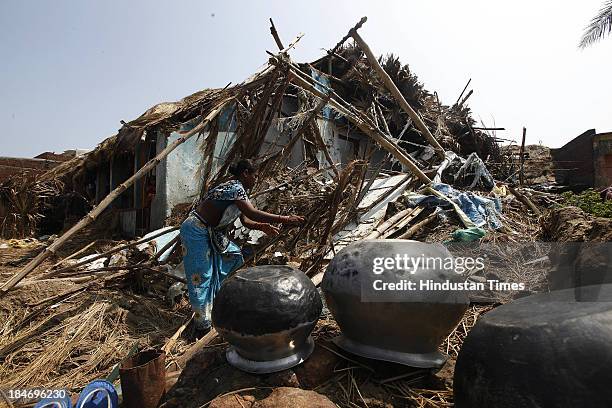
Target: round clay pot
{"points": [[545, 350], [266, 314], [401, 326]]}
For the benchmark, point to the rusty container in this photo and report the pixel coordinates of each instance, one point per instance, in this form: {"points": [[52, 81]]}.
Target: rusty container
{"points": [[143, 379]]}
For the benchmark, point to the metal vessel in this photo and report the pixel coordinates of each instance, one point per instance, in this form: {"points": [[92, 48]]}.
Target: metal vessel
{"points": [[403, 326], [545, 350], [266, 314]]}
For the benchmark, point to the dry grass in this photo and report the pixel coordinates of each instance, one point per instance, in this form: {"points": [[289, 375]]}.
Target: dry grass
{"points": [[51, 341]]}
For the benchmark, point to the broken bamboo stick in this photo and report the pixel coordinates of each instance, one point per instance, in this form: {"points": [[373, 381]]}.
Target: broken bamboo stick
{"points": [[93, 214], [402, 223], [462, 92], [466, 98], [380, 230], [418, 226], [323, 147], [274, 33], [525, 200], [111, 251], [74, 254], [369, 130], [166, 247], [397, 94], [522, 168]]}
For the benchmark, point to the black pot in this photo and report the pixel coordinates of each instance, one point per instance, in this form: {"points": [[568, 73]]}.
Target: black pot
{"points": [[400, 326], [266, 314], [545, 350]]}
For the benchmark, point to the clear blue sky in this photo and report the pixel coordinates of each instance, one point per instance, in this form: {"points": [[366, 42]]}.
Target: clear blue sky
{"points": [[71, 70]]}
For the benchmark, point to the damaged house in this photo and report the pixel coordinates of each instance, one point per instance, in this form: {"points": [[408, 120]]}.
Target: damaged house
{"points": [[292, 127]]}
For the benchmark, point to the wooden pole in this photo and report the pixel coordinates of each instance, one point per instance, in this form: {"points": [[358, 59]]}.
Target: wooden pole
{"points": [[89, 218], [462, 92], [380, 230], [369, 130], [466, 98], [418, 226], [110, 252], [274, 33], [397, 94], [522, 173]]}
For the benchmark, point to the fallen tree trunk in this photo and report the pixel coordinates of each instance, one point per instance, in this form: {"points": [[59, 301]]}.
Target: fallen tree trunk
{"points": [[89, 218]]}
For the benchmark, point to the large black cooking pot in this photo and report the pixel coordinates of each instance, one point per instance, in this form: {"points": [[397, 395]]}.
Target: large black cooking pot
{"points": [[266, 314], [402, 326], [546, 350]]}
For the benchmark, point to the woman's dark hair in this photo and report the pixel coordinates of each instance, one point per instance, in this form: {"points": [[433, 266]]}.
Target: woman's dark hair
{"points": [[241, 166]]}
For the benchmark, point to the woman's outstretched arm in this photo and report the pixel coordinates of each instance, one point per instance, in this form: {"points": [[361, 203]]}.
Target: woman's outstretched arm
{"points": [[252, 213]]}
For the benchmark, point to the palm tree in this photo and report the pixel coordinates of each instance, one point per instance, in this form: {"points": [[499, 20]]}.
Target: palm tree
{"points": [[600, 26]]}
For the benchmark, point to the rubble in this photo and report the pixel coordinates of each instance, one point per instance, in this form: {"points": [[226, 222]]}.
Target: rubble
{"points": [[80, 302]]}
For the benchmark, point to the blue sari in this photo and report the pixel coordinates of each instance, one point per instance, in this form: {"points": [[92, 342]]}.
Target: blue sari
{"points": [[208, 254]]}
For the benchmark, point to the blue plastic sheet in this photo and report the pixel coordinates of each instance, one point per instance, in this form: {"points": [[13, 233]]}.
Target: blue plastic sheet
{"points": [[480, 210]]}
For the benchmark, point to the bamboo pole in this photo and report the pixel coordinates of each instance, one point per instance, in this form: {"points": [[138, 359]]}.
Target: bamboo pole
{"points": [[397, 94], [323, 147], [165, 248], [522, 153], [89, 218], [274, 33], [462, 92], [401, 224], [465, 98], [374, 133], [525, 200], [111, 251], [380, 230], [418, 226]]}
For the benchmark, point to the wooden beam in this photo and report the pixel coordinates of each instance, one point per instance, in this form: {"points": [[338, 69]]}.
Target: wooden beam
{"points": [[397, 94], [274, 33], [93, 214], [365, 127]]}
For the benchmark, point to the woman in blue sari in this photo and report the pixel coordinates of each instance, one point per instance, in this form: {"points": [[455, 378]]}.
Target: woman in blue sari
{"points": [[208, 254]]}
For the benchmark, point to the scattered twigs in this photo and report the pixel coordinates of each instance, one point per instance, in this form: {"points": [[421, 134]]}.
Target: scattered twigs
{"points": [[371, 131], [396, 93], [109, 252], [525, 200], [294, 180], [110, 198], [418, 226], [522, 153]]}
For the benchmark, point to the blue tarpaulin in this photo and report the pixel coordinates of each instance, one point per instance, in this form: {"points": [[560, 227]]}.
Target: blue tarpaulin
{"points": [[480, 210]]}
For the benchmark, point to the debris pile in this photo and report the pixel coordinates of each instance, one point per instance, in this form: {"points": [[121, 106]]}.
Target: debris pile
{"points": [[353, 143]]}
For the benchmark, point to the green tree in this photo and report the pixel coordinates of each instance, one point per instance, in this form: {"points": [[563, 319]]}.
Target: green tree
{"points": [[599, 27]]}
